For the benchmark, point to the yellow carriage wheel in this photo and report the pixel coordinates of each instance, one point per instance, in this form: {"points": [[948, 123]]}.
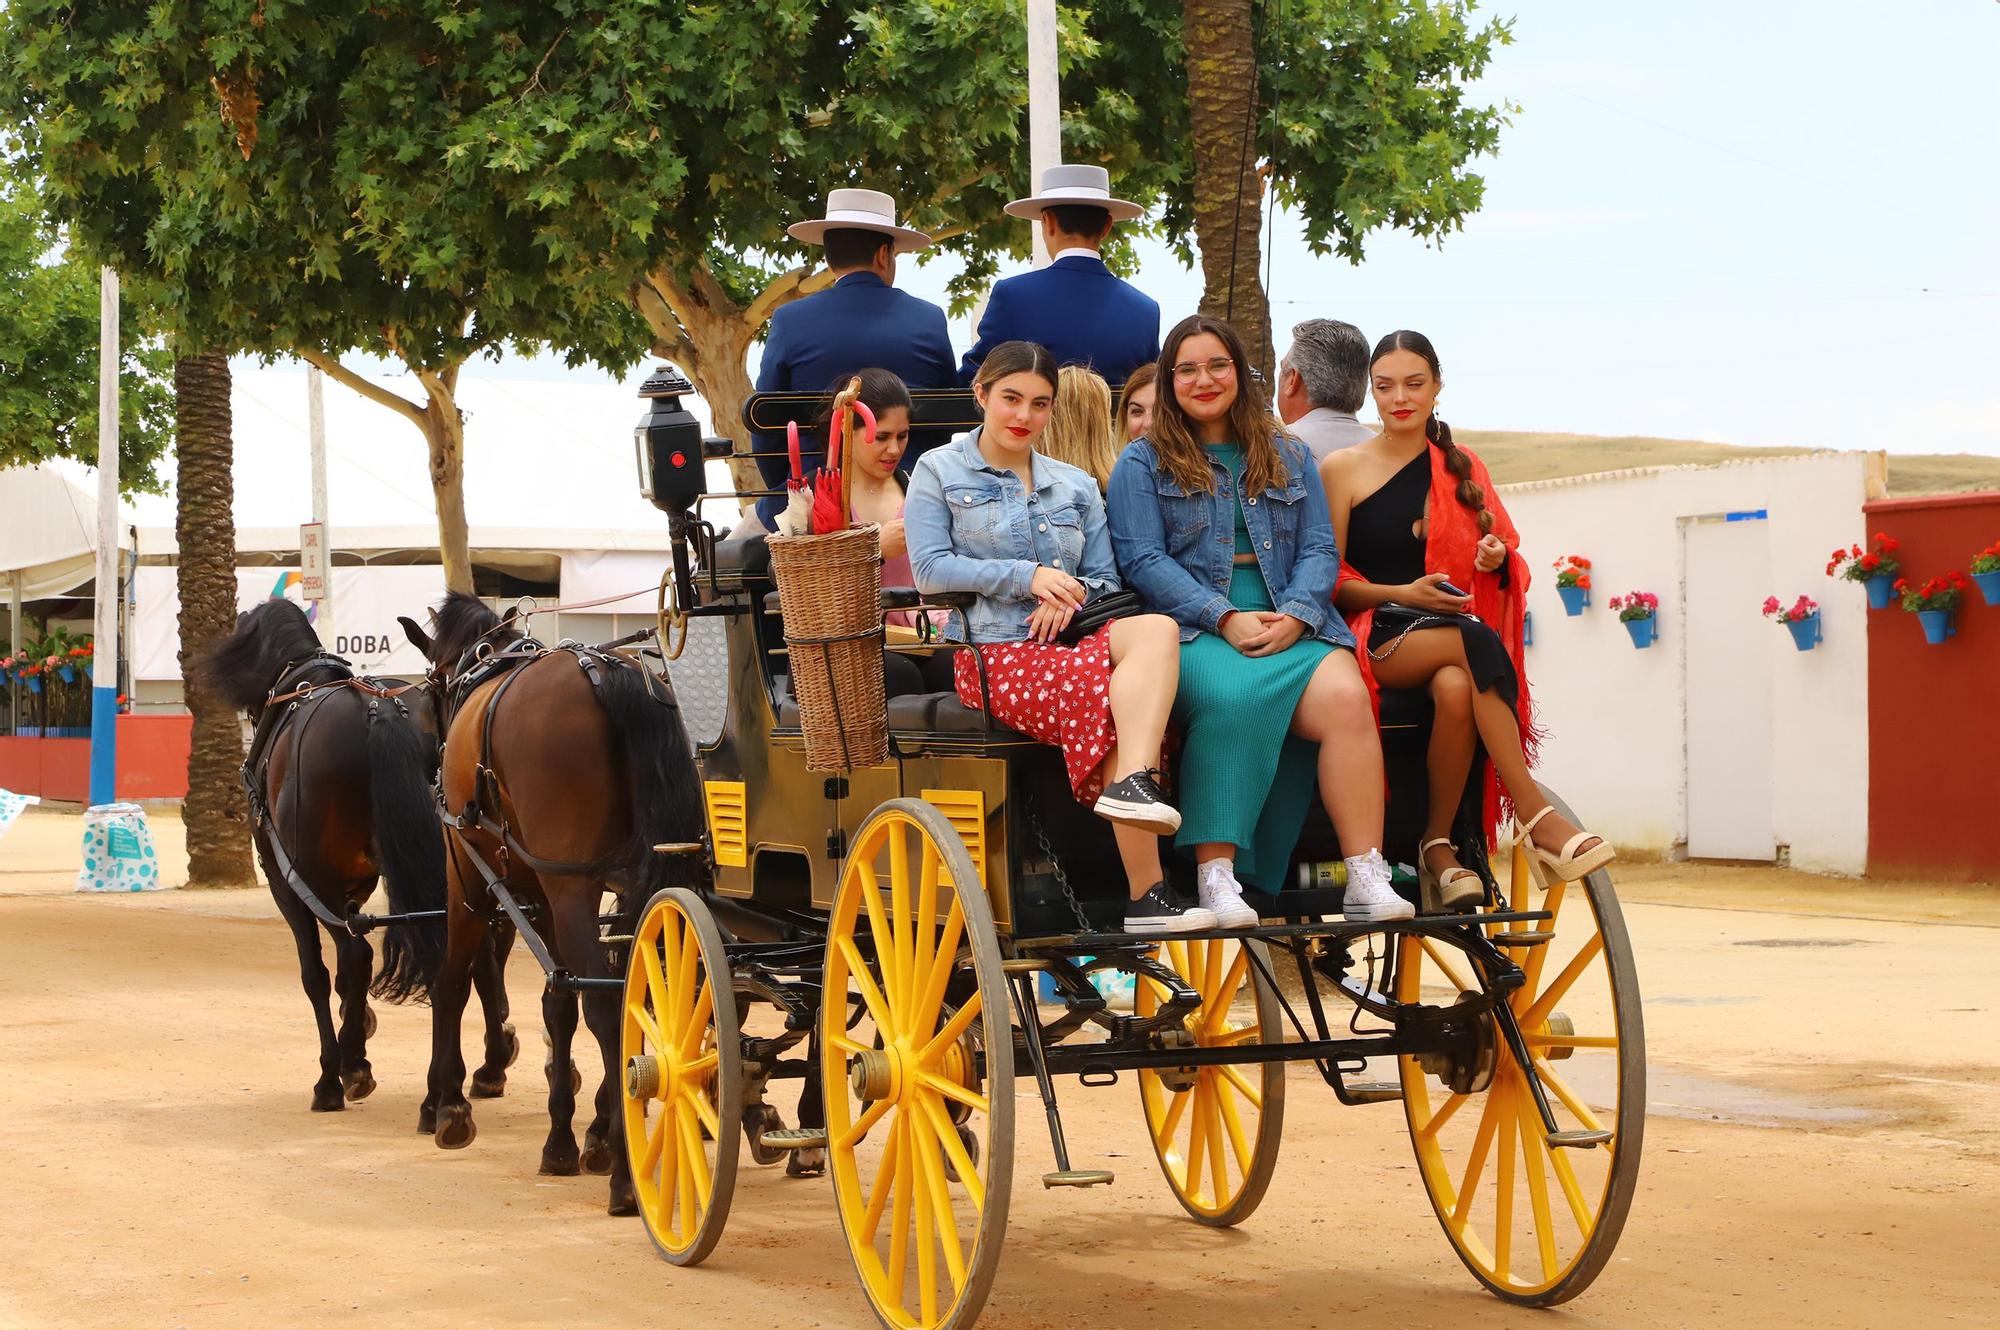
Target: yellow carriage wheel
{"points": [[1216, 1129], [1535, 1222], [917, 1061], [683, 1081]]}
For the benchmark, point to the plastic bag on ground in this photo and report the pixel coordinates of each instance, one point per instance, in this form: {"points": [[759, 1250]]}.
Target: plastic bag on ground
{"points": [[117, 850]]}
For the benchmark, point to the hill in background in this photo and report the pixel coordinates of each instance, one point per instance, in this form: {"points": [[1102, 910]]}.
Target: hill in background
{"points": [[1513, 457]]}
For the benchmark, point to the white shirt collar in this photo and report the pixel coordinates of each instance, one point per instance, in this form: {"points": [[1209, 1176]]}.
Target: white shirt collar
{"points": [[1078, 252]]}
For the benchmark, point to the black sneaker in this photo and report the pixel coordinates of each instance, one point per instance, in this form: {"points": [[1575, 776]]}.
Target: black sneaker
{"points": [[1163, 910], [1137, 801]]}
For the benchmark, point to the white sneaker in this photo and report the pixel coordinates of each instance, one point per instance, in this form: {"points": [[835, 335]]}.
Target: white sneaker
{"points": [[1370, 898], [1222, 895]]}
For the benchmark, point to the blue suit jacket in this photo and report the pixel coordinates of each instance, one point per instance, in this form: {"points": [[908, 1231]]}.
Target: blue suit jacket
{"points": [[1077, 309], [860, 322]]}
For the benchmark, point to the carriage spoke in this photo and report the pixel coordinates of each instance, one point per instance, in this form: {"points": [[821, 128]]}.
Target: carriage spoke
{"points": [[1475, 1164], [1532, 1150], [697, 1158], [1232, 1120], [845, 1045], [1445, 967], [1572, 1041], [705, 1111], [644, 1020], [1230, 1038], [925, 929], [1177, 960], [905, 941], [1235, 1076], [1538, 958], [882, 929], [882, 1188], [698, 1019], [1546, 1003], [1442, 1116], [863, 1125], [1197, 1137], [1170, 1121], [932, 1165], [899, 1211], [960, 1021], [1218, 1167], [951, 1089], [1503, 1200], [1551, 1081], [871, 996], [1579, 1208], [656, 1138], [656, 986], [926, 1240], [947, 1136], [677, 945], [684, 1189], [938, 977], [1215, 1006]]}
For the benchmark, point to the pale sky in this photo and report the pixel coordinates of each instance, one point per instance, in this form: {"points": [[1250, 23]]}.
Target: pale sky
{"points": [[1756, 223]]}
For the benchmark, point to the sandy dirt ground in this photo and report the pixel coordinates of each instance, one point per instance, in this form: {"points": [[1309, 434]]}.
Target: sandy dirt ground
{"points": [[1823, 1150]]}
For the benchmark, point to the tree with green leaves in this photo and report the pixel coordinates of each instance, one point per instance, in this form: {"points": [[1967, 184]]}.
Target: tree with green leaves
{"points": [[49, 350]]}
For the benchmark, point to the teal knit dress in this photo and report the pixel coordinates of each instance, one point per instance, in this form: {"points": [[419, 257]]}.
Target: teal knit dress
{"points": [[1244, 778]]}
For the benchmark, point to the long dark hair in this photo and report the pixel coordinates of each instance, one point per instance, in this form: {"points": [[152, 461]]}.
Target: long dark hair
{"points": [[1251, 423], [881, 391], [1017, 358], [1456, 460]]}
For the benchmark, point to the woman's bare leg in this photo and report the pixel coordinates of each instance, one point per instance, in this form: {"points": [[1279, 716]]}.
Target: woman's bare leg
{"points": [[1448, 760], [1334, 713], [1145, 673]]}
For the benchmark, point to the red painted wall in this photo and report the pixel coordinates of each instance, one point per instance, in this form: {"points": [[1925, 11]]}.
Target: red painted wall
{"points": [[152, 761], [1934, 711]]}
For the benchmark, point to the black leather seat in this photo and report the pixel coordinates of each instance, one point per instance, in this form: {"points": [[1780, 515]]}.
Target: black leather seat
{"points": [[748, 557]]}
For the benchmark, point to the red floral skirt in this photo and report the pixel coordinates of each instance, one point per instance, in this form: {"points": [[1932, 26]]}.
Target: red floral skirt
{"points": [[1055, 694]]}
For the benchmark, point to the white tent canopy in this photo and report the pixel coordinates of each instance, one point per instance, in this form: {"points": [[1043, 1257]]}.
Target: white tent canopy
{"points": [[48, 531]]}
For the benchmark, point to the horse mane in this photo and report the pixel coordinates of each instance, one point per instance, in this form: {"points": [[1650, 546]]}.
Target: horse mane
{"points": [[463, 621], [243, 666]]}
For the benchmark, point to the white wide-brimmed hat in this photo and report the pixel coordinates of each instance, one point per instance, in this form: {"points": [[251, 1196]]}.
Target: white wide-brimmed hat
{"points": [[859, 210], [1089, 186]]}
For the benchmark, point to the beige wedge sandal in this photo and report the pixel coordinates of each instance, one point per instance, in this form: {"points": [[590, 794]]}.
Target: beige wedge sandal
{"points": [[1457, 888], [1571, 864]]}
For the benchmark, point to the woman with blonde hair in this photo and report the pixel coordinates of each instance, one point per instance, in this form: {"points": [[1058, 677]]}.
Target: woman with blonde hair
{"points": [[1080, 430]]}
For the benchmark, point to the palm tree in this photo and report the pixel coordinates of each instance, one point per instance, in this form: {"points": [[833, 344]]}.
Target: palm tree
{"points": [[1221, 67], [218, 830]]}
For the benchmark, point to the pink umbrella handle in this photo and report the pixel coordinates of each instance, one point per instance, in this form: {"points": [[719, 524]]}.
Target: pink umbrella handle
{"points": [[867, 418], [792, 442]]}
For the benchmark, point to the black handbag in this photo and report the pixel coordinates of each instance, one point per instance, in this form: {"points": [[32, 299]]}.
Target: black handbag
{"points": [[1097, 611]]}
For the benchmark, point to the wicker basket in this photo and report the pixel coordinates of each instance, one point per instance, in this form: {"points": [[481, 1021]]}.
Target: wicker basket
{"points": [[830, 589]]}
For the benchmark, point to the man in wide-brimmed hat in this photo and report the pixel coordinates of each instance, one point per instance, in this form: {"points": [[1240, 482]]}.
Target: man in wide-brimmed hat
{"points": [[860, 322], [1075, 307]]}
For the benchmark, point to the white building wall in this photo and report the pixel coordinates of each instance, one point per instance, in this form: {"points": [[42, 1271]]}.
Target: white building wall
{"points": [[1617, 717]]}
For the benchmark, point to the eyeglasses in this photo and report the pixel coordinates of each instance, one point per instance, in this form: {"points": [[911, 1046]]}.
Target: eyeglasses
{"points": [[1219, 368]]}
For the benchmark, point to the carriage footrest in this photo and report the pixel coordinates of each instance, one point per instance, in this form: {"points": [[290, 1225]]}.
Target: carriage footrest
{"points": [[1525, 938], [1578, 1140], [1374, 1092], [1078, 1177], [794, 1138]]}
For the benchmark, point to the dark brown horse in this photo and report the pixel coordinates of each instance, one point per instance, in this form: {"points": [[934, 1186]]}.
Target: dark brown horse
{"points": [[339, 780], [562, 768]]}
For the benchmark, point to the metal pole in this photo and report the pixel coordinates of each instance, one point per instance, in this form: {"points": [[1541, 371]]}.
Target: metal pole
{"points": [[104, 663], [1044, 105], [14, 647], [316, 432]]}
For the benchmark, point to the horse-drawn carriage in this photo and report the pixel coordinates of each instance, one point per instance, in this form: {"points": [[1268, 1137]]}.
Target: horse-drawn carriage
{"points": [[907, 937]]}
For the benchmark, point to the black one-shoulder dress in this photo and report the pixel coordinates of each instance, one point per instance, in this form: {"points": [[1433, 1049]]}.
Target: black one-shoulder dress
{"points": [[1383, 546]]}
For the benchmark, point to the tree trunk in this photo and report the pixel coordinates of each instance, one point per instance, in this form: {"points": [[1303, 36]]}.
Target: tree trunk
{"points": [[715, 358], [1228, 189], [218, 829], [444, 436]]}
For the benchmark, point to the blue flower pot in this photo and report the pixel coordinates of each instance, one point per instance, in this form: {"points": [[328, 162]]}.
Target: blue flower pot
{"points": [[1989, 586], [68, 673], [1574, 599], [34, 682], [1642, 631], [1937, 626], [1879, 595], [1805, 632]]}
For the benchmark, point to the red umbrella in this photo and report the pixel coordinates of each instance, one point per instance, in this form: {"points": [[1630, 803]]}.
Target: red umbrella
{"points": [[796, 519], [830, 490]]}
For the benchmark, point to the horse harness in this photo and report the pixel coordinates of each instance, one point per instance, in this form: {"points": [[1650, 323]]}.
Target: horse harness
{"points": [[281, 705], [486, 809]]}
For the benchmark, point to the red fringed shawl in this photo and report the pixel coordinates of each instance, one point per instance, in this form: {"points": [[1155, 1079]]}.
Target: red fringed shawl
{"points": [[1499, 598]]}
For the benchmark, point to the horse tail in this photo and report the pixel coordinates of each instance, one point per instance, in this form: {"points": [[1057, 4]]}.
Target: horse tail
{"points": [[409, 849], [664, 785]]}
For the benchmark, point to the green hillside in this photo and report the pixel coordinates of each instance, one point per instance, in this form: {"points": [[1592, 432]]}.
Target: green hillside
{"points": [[1513, 456]]}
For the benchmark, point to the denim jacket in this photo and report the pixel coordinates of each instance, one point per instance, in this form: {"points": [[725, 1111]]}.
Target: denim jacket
{"points": [[972, 526], [1178, 550]]}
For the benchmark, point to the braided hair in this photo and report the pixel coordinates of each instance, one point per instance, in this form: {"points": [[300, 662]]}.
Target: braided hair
{"points": [[1456, 460]]}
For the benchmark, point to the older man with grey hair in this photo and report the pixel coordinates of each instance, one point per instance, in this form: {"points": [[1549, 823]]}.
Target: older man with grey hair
{"points": [[1322, 382]]}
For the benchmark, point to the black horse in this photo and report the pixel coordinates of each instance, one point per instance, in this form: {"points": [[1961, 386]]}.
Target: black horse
{"points": [[563, 767], [339, 777]]}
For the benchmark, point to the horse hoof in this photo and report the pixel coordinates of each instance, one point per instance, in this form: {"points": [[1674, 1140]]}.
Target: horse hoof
{"points": [[624, 1201], [368, 1022], [575, 1076], [455, 1129], [805, 1164], [557, 1165], [427, 1120], [596, 1154], [360, 1084], [488, 1084], [328, 1100], [513, 1044]]}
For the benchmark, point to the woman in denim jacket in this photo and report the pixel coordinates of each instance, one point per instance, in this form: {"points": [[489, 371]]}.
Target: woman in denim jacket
{"points": [[1219, 520], [988, 514]]}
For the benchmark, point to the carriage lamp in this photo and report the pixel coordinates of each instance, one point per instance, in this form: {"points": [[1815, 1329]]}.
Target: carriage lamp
{"points": [[669, 444]]}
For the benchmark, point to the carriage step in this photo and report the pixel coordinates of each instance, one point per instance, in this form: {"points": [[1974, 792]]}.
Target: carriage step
{"points": [[1529, 938], [1374, 1092], [1578, 1140], [1078, 1177], [794, 1138]]}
